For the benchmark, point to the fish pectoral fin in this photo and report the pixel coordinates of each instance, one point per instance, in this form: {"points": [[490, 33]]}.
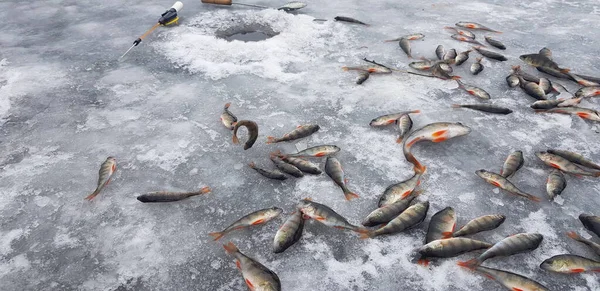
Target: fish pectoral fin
{"points": [[260, 221], [439, 133], [496, 184], [250, 285], [577, 270]]}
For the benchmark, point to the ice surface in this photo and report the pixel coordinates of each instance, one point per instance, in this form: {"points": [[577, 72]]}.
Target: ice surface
{"points": [[66, 104]]}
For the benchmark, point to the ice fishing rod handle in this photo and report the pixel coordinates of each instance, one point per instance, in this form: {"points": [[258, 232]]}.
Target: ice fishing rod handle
{"points": [[177, 6], [218, 2]]}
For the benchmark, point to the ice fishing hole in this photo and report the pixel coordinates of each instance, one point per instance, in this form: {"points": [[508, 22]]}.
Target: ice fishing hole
{"points": [[247, 33]]}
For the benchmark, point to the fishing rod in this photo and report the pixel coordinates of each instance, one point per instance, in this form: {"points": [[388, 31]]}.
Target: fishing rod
{"points": [[295, 5], [168, 18]]}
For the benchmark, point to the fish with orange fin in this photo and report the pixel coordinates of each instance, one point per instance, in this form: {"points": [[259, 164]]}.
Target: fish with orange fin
{"points": [[227, 118], [164, 196], [475, 91], [461, 31], [514, 244], [327, 216], [538, 60], [300, 132], [591, 223], [441, 225], [575, 158], [333, 169], [404, 126], [256, 275], [400, 191], [587, 92], [465, 39], [255, 218], [386, 213], [479, 224], [315, 152], [504, 184], [448, 248], [409, 218], [475, 26], [252, 131], [570, 264], [511, 281], [591, 244], [289, 232], [564, 165], [512, 164], [584, 113], [107, 169], [389, 119]]}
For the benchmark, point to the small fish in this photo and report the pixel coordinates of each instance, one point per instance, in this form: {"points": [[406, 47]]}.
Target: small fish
{"points": [[404, 126], [409, 218], [571, 102], [529, 77], [371, 69], [326, 216], [348, 19], [442, 225], [512, 164], [583, 82], [400, 191], [316, 151], [584, 113], [590, 78], [447, 248], [475, 26], [476, 67], [515, 244], [333, 169], [446, 68], [107, 169], [490, 54], [386, 213], [545, 85], [255, 218], [170, 196], [479, 224], [512, 80], [450, 56], [300, 132], [511, 281], [414, 36], [591, 244], [538, 60], [575, 158], [291, 6], [304, 165], [423, 65], [227, 118], [555, 183], [271, 174], [461, 32], [570, 264], [546, 52], [465, 39], [462, 57], [440, 52], [256, 275], [388, 119], [587, 92], [555, 72], [405, 46], [485, 108], [252, 131], [438, 71], [546, 104], [504, 184], [362, 77], [559, 88], [285, 167], [289, 232], [591, 223], [495, 43], [532, 89], [475, 91], [564, 165]]}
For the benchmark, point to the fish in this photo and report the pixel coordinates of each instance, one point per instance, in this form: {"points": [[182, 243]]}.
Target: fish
{"points": [[570, 264], [490, 54], [495, 43], [475, 26], [446, 68], [291, 6], [435, 132], [440, 52], [564, 165], [400, 191], [465, 39], [450, 56], [584, 113], [545, 85], [289, 232], [256, 275], [271, 174], [107, 169], [514, 244], [590, 78], [555, 183], [300, 132], [485, 108], [591, 244], [475, 91], [333, 169], [404, 126], [504, 184], [462, 57], [479, 224], [423, 65], [532, 89], [511, 281], [255, 218], [442, 225], [546, 52], [386, 213], [512, 80], [538, 60], [461, 32], [369, 69], [447, 248], [512, 164], [414, 36], [583, 82], [388, 119], [170, 196], [529, 77], [575, 158], [438, 72], [348, 19], [252, 131], [546, 104], [409, 218], [587, 92], [227, 118], [476, 67], [304, 165], [285, 167], [571, 102], [591, 223], [555, 72], [326, 216], [405, 46], [362, 77], [316, 151]]}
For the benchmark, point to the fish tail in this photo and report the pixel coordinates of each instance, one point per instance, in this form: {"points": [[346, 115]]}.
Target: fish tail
{"points": [[227, 105], [415, 111], [390, 40], [565, 71], [93, 195], [205, 190], [418, 167], [539, 110], [270, 139], [423, 262], [455, 78], [349, 195], [533, 198], [470, 264], [217, 235], [365, 235], [277, 153], [346, 68], [573, 235], [456, 106], [230, 248], [235, 139], [597, 174], [252, 165], [400, 139]]}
